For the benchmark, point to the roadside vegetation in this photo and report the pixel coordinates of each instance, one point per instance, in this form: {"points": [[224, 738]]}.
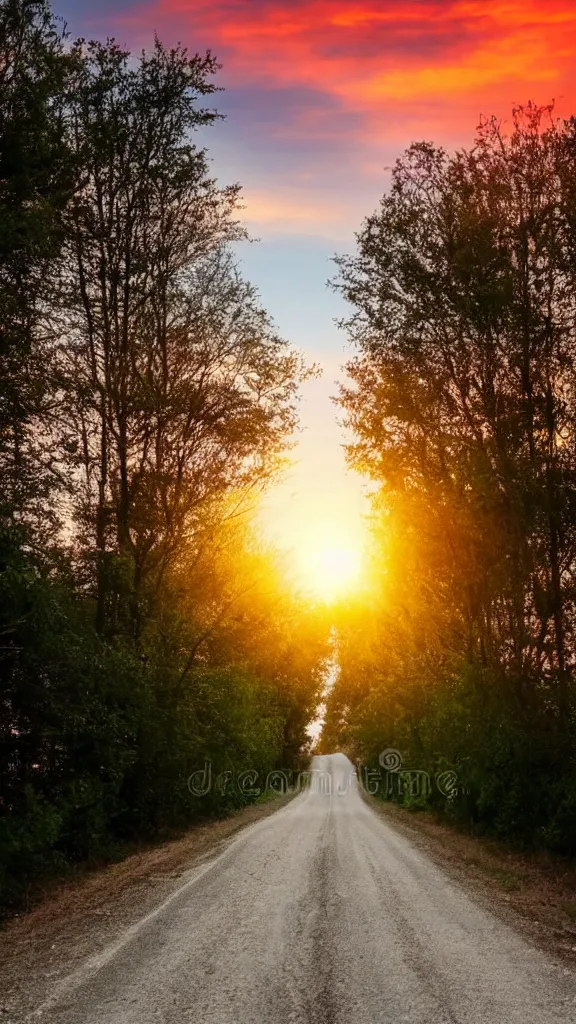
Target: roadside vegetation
{"points": [[146, 401], [460, 653]]}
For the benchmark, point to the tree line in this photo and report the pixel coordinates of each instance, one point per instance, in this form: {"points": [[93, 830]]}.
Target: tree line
{"points": [[146, 400], [462, 403]]}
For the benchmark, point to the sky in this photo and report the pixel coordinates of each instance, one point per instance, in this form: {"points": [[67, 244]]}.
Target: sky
{"points": [[320, 97]]}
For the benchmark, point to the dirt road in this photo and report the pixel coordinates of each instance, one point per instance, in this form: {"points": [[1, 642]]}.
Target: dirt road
{"points": [[320, 914]]}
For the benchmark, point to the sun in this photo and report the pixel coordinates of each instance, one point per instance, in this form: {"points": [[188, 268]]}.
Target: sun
{"points": [[331, 570]]}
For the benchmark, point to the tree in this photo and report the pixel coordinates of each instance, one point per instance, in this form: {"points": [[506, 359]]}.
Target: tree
{"points": [[149, 401], [179, 387], [463, 409]]}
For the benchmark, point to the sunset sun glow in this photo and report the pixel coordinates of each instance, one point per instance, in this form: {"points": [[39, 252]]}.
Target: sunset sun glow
{"points": [[330, 570]]}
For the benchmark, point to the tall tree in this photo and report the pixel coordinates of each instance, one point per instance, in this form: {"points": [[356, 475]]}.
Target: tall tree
{"points": [[146, 401], [465, 317], [180, 387], [462, 405]]}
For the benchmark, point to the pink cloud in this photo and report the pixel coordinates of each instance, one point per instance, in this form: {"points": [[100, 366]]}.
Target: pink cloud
{"points": [[400, 52]]}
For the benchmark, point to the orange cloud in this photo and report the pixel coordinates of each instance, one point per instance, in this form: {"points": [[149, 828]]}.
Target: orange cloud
{"points": [[330, 90], [409, 53]]}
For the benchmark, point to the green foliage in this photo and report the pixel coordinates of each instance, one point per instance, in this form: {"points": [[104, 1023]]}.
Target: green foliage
{"points": [[462, 405], [99, 737], [145, 400]]}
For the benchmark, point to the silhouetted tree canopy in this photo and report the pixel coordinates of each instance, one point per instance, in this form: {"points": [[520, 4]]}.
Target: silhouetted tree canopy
{"points": [[463, 410], [146, 400]]}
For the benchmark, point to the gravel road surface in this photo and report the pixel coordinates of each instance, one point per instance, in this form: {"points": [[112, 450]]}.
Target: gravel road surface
{"points": [[319, 914]]}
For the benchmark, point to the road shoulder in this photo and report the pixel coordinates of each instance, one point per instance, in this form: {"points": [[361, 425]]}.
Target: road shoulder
{"points": [[535, 894]]}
